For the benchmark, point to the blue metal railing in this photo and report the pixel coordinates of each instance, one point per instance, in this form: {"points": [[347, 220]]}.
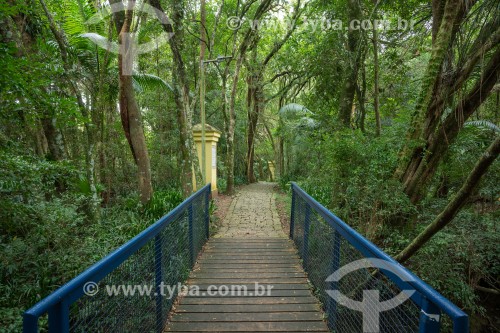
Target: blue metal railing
{"points": [[327, 244], [163, 254]]}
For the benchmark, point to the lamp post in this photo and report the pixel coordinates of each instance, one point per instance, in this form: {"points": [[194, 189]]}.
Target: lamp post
{"points": [[218, 60]]}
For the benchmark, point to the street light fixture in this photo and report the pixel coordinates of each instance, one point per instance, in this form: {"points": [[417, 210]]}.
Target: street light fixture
{"points": [[218, 60]]}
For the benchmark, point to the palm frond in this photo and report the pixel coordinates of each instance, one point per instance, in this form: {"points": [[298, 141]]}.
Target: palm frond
{"points": [[143, 82], [293, 110], [483, 124]]}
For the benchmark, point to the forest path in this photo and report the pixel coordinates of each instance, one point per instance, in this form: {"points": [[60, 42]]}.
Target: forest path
{"points": [[249, 277], [252, 213]]}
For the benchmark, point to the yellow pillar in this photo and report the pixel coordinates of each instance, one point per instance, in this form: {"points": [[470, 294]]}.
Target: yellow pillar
{"points": [[212, 136], [271, 167]]}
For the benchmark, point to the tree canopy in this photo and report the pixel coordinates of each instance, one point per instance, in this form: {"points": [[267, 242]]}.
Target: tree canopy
{"points": [[385, 111]]}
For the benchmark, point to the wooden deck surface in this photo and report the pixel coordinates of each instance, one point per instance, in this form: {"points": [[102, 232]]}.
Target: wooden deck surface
{"points": [[289, 307]]}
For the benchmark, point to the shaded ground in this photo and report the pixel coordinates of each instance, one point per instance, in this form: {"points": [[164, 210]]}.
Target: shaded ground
{"points": [[283, 205], [222, 203], [252, 213]]}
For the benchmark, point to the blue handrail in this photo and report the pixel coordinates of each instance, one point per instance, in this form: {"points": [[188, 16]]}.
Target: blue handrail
{"points": [[429, 300], [57, 304]]}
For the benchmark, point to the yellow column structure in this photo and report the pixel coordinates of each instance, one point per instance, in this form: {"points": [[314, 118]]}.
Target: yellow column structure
{"points": [[212, 136]]}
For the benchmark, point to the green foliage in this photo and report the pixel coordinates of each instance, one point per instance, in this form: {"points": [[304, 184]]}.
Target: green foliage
{"points": [[353, 177], [45, 239], [162, 202]]}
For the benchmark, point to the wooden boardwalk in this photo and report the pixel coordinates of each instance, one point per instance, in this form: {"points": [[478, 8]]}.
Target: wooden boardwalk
{"points": [[250, 248], [240, 260]]}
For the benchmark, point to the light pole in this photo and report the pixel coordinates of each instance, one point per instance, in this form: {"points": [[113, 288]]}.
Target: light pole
{"points": [[218, 60]]}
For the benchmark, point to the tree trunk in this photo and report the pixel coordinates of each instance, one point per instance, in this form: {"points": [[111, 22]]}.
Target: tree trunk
{"points": [[189, 155], [54, 139], [351, 77], [454, 206], [60, 37], [424, 166], [130, 113], [430, 135], [378, 126]]}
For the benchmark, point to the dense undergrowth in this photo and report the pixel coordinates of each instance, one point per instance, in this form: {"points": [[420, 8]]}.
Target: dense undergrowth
{"points": [[46, 238], [352, 174]]}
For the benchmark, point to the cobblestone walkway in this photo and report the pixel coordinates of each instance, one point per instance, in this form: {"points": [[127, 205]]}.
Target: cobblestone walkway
{"points": [[252, 213]]}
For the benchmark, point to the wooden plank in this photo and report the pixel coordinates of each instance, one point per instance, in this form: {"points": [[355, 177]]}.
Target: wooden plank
{"points": [[256, 269], [236, 291], [241, 263], [217, 265], [256, 275], [248, 308], [251, 286], [248, 317], [270, 281], [251, 261], [247, 256], [263, 326], [282, 252], [247, 300], [275, 241], [263, 247]]}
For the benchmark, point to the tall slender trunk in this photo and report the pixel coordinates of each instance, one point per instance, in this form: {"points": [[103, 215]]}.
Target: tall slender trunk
{"points": [[351, 77], [60, 37], [129, 109], [378, 126], [189, 156]]}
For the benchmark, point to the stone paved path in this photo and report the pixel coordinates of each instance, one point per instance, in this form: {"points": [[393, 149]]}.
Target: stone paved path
{"points": [[252, 214]]}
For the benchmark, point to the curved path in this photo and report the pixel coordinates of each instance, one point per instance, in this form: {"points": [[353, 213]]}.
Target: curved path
{"points": [[253, 260]]}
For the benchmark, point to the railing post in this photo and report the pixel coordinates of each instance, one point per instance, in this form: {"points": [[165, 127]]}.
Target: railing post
{"points": [[292, 215], [191, 234], [305, 245], [30, 323], [430, 318], [331, 307], [59, 318], [207, 211], [159, 281]]}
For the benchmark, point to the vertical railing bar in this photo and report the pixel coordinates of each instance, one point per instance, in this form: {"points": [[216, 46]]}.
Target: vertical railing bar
{"points": [[331, 309], [191, 234], [207, 213], [30, 323], [430, 318], [292, 215], [59, 318], [159, 281], [305, 245]]}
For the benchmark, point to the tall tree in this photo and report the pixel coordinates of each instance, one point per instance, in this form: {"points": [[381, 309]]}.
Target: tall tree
{"points": [[256, 101], [353, 63], [129, 108], [239, 53], [456, 203], [182, 91], [448, 85]]}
